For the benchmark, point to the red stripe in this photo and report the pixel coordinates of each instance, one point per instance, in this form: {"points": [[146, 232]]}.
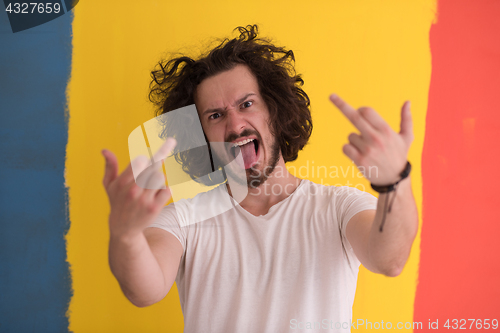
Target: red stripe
{"points": [[459, 268]]}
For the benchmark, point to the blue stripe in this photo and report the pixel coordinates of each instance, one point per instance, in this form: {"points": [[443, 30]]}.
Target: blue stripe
{"points": [[35, 283]]}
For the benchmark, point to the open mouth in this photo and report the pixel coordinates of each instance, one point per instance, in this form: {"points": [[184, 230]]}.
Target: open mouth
{"points": [[249, 149]]}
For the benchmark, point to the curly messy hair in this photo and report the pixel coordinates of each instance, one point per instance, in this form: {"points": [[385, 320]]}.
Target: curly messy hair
{"points": [[174, 83]]}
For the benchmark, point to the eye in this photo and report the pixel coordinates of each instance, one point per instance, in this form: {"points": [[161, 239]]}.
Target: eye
{"points": [[214, 116], [247, 104]]}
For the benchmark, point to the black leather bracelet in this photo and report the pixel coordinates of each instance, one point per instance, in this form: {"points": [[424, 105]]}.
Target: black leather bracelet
{"points": [[392, 187]]}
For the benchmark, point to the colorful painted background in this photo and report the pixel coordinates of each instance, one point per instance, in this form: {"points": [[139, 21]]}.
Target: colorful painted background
{"points": [[78, 84]]}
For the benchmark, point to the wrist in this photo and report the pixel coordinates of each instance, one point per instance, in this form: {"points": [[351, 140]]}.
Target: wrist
{"points": [[391, 187], [126, 237]]}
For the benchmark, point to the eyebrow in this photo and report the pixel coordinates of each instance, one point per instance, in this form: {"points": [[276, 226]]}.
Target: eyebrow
{"points": [[239, 101]]}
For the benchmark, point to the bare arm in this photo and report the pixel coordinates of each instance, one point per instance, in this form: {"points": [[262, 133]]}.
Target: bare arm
{"points": [[145, 265], [385, 252], [144, 261], [378, 145]]}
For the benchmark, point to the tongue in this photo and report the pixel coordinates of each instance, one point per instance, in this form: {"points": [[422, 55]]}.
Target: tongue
{"points": [[248, 153]]}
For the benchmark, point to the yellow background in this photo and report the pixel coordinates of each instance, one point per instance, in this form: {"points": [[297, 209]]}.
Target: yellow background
{"points": [[372, 53]]}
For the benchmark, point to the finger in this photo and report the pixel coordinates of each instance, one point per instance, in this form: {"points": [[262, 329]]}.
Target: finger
{"points": [[156, 181], [352, 114], [144, 181], [358, 142], [162, 196], [111, 169], [136, 168], [152, 177], [374, 119], [406, 130], [352, 152], [165, 149]]}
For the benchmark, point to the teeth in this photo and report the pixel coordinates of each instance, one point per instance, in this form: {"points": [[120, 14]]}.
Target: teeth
{"points": [[241, 143]]}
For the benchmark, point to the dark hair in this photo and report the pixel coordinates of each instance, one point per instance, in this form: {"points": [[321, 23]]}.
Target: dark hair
{"points": [[174, 84]]}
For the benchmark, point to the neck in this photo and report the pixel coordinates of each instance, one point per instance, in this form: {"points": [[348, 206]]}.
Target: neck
{"points": [[278, 186]]}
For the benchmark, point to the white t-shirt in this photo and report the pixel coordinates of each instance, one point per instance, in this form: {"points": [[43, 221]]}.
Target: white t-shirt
{"points": [[284, 271]]}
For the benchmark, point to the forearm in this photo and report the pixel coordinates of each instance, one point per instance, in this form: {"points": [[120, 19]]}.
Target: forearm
{"points": [[389, 250], [136, 269]]}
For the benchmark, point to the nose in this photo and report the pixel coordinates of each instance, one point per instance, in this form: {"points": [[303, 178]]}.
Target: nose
{"points": [[235, 122]]}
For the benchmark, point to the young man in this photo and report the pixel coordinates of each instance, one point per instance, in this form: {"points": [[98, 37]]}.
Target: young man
{"points": [[279, 258]]}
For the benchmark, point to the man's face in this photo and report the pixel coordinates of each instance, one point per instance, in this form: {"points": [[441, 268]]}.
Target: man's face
{"points": [[232, 110]]}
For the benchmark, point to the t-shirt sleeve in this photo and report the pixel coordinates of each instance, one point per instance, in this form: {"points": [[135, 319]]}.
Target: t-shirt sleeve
{"points": [[348, 202], [168, 220]]}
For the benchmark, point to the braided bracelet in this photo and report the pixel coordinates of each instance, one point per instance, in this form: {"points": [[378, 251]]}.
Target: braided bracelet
{"points": [[390, 188]]}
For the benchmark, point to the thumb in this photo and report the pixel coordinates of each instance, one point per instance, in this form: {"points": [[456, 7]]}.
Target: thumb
{"points": [[111, 171], [406, 123]]}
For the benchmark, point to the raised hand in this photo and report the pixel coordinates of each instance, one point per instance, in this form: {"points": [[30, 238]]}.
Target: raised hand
{"points": [[133, 206], [377, 145]]}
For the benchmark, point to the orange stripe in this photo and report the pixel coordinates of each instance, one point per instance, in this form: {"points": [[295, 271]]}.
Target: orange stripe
{"points": [[459, 266]]}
